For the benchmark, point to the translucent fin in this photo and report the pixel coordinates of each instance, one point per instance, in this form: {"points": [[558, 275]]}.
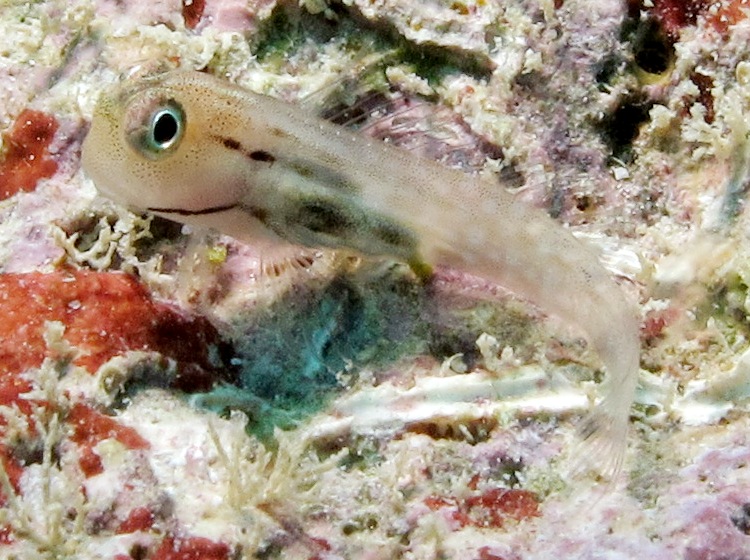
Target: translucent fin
{"points": [[363, 99], [373, 105], [364, 75], [403, 114], [600, 451], [285, 261], [419, 126]]}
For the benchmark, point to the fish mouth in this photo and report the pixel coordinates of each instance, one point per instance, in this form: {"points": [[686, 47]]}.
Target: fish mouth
{"points": [[201, 212]]}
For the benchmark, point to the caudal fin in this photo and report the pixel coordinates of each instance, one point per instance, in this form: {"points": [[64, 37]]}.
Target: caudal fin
{"points": [[600, 450]]}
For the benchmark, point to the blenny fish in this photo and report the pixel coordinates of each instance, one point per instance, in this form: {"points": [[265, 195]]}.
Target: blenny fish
{"points": [[193, 148]]}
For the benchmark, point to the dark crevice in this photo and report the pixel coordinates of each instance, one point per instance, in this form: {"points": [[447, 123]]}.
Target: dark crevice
{"points": [[653, 51], [607, 69], [291, 27], [620, 128]]}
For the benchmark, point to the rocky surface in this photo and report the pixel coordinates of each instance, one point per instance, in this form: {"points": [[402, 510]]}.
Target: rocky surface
{"points": [[173, 394]]}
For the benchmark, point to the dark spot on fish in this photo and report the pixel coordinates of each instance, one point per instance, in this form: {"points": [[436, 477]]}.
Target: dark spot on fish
{"points": [[323, 216], [260, 155], [277, 132], [393, 235], [260, 214], [302, 170], [231, 143], [236, 145], [323, 176]]}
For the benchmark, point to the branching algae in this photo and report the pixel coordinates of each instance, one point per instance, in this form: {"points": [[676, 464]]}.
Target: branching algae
{"points": [[190, 147]]}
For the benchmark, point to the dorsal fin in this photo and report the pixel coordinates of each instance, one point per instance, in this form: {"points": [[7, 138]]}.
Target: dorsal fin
{"points": [[364, 99]]}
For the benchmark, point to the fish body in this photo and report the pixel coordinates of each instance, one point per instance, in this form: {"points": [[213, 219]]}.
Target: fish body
{"points": [[193, 148]]}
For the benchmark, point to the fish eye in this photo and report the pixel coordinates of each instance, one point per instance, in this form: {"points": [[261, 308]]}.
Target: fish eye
{"points": [[160, 131], [165, 128]]}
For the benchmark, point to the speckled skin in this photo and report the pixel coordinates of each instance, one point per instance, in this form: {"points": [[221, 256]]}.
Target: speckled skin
{"points": [[257, 169]]}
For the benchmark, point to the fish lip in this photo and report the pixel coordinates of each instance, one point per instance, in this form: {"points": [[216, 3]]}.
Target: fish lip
{"points": [[201, 212]]}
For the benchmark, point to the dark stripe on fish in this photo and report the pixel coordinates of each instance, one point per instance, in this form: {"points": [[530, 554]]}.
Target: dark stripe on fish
{"points": [[202, 212]]}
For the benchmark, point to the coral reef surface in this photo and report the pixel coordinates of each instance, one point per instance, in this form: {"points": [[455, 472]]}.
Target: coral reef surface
{"points": [[171, 393]]}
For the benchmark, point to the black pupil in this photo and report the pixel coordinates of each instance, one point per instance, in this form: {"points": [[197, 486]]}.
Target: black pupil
{"points": [[165, 128]]}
